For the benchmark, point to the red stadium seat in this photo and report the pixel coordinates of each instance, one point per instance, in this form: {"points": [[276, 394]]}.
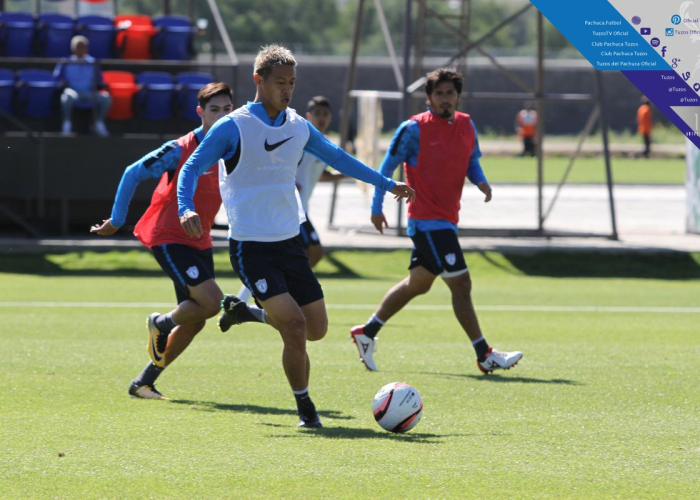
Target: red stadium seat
{"points": [[134, 33], [122, 88]]}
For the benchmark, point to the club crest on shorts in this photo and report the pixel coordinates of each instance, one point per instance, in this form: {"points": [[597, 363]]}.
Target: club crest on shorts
{"points": [[261, 285], [193, 272], [451, 258]]}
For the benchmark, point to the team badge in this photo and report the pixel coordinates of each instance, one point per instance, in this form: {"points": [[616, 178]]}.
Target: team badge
{"points": [[261, 285], [193, 272], [451, 259]]}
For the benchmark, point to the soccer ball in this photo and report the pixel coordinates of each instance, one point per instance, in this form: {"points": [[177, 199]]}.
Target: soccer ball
{"points": [[397, 407]]}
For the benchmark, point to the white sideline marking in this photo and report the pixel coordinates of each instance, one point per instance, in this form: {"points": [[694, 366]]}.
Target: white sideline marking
{"points": [[371, 307]]}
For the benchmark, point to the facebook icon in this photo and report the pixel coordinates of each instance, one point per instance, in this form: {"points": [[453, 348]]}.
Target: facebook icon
{"points": [[663, 51], [645, 31]]}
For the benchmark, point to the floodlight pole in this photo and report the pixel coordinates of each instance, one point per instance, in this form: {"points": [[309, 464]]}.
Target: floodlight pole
{"points": [[405, 101]]}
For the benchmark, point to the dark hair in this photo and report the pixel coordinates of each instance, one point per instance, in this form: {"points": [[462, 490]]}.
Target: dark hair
{"points": [[316, 101], [211, 90], [444, 75]]}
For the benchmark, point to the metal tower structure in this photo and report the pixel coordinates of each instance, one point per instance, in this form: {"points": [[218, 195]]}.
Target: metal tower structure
{"points": [[419, 35]]}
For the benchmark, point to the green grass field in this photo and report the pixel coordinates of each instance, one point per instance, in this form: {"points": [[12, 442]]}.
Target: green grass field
{"points": [[604, 404], [501, 169]]}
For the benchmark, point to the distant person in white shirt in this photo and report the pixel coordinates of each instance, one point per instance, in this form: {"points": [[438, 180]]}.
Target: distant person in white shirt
{"points": [[261, 144]]}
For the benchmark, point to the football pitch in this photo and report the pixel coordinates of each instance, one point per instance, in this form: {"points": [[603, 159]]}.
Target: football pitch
{"points": [[604, 404]]}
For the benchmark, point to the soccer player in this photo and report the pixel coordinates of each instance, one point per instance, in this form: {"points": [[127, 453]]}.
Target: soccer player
{"points": [[188, 261], [261, 144], [438, 149], [309, 172]]}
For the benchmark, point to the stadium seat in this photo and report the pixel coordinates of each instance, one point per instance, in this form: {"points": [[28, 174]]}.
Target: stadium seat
{"points": [[157, 95], [100, 31], [134, 33], [122, 87], [173, 38], [189, 85], [36, 97], [7, 87], [53, 35], [16, 34]]}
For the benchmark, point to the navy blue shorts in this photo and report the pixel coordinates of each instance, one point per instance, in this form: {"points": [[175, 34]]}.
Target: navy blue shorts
{"points": [[185, 265], [307, 234], [439, 252], [272, 268]]}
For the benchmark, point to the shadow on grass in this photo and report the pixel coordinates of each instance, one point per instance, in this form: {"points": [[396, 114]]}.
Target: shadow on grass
{"points": [[247, 408], [661, 265], [41, 265], [362, 433], [496, 378]]}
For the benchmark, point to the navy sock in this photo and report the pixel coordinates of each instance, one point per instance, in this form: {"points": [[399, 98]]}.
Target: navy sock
{"points": [[481, 348], [373, 326], [165, 322], [149, 375], [304, 404]]}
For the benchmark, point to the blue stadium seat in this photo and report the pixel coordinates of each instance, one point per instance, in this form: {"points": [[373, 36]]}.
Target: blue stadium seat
{"points": [[7, 87], [189, 85], [156, 98], [16, 34], [173, 38], [100, 31], [36, 97], [53, 34]]}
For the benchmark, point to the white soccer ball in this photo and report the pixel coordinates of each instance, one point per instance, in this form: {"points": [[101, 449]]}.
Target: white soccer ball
{"points": [[397, 407]]}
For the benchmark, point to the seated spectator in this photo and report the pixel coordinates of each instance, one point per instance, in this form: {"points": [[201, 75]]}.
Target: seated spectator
{"points": [[82, 78]]}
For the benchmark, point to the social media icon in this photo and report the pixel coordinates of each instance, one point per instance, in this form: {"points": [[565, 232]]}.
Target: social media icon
{"points": [[645, 31], [663, 51], [676, 19], [655, 42], [669, 31], [636, 20]]}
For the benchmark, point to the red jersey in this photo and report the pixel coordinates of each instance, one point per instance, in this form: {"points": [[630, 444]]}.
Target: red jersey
{"points": [[443, 160], [160, 224]]}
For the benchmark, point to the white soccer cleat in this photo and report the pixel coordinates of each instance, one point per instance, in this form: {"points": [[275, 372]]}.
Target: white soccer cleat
{"points": [[499, 360], [145, 392], [365, 346]]}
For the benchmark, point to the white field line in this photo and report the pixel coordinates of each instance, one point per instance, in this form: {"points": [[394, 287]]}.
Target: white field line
{"points": [[371, 307]]}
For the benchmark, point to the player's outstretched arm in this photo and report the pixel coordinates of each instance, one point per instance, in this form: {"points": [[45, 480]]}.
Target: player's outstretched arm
{"points": [[104, 229], [403, 190]]}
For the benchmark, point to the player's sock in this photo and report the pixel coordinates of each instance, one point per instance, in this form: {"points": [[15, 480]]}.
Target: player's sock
{"points": [[304, 404], [245, 313], [258, 313], [165, 322], [372, 327], [244, 294], [481, 348], [149, 375]]}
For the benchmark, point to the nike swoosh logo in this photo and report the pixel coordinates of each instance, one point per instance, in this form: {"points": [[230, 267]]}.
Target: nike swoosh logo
{"points": [[272, 147], [155, 353]]}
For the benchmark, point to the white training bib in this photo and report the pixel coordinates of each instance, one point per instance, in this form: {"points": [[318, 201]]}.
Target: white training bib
{"points": [[260, 195]]}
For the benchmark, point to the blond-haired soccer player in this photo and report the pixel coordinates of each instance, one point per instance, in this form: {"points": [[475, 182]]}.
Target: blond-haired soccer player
{"points": [[188, 261], [261, 144]]}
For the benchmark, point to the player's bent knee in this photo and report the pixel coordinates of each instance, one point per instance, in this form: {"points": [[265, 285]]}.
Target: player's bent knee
{"points": [[317, 331]]}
